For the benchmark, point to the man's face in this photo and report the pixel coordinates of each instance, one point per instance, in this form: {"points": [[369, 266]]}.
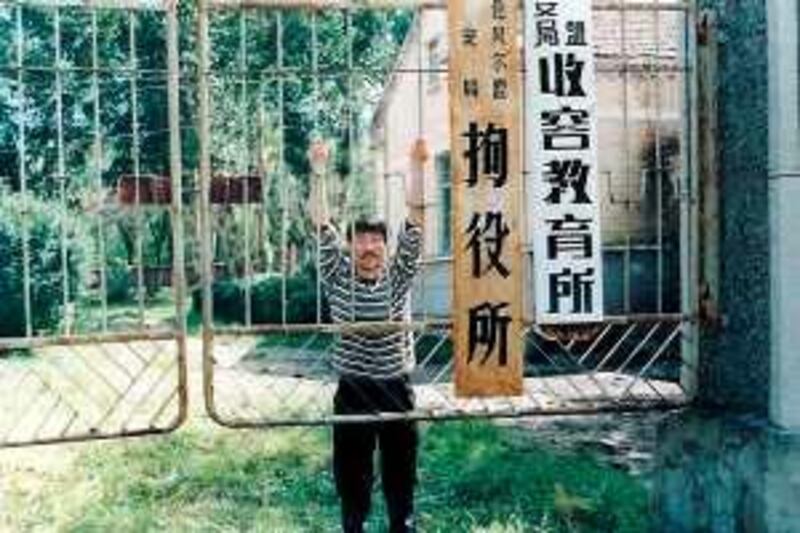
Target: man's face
{"points": [[369, 250]]}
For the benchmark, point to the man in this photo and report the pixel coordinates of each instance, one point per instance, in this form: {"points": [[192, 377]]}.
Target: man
{"points": [[373, 366]]}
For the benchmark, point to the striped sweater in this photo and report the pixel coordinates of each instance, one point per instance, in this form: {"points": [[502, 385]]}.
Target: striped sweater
{"points": [[380, 355]]}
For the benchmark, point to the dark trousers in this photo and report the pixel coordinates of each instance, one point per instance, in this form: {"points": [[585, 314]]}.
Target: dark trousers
{"points": [[354, 446]]}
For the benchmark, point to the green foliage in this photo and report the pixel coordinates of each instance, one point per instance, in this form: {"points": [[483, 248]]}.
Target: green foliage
{"points": [[46, 222], [336, 107], [265, 294], [119, 282], [301, 303], [523, 479], [246, 132], [228, 298]]}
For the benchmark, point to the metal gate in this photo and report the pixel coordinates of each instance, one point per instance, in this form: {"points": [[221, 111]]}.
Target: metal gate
{"points": [[97, 212], [365, 80], [92, 336]]}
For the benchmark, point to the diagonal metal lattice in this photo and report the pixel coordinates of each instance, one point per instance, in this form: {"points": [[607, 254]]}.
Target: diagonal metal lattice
{"points": [[95, 390], [620, 367]]}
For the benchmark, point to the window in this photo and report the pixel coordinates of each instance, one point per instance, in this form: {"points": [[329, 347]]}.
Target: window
{"points": [[435, 61], [443, 185]]}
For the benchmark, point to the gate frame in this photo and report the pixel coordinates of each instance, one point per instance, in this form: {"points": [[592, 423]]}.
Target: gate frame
{"points": [[178, 332], [689, 229]]}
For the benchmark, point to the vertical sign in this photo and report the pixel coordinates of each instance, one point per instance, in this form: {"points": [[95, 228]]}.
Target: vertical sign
{"points": [[562, 150], [486, 172]]}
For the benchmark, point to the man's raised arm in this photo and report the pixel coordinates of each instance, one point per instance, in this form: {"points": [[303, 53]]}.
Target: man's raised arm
{"points": [[410, 238], [415, 185]]}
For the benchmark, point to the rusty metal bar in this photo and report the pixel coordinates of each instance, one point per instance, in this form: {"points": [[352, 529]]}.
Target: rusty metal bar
{"points": [[421, 136], [316, 136], [708, 170], [282, 169], [418, 325], [23, 181], [414, 4], [127, 5], [61, 171], [135, 153], [206, 253], [331, 328], [351, 180], [176, 175], [606, 64], [624, 73], [245, 168], [97, 167], [79, 69], [318, 5], [656, 80], [90, 435], [11, 343], [610, 406]]}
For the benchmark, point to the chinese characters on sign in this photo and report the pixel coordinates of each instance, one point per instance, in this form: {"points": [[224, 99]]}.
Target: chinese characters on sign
{"points": [[485, 140], [562, 152]]}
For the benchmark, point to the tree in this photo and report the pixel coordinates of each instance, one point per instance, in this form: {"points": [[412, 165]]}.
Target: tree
{"points": [[29, 108]]}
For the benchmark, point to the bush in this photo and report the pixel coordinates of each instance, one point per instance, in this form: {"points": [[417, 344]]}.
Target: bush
{"points": [[119, 281], [301, 305], [44, 222]]}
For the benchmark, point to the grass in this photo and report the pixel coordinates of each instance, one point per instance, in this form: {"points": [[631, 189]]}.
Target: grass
{"points": [[474, 476]]}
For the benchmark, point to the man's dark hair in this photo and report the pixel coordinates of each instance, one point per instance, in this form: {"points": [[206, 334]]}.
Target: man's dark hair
{"points": [[367, 224]]}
